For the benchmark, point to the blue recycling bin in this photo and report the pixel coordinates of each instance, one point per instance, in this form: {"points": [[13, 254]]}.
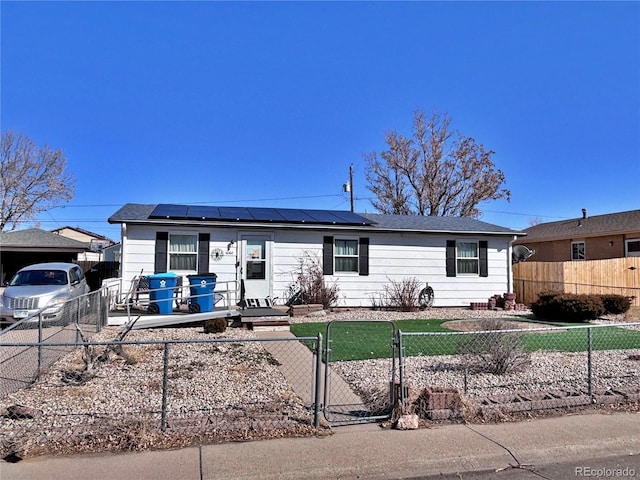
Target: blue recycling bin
{"points": [[201, 289], [161, 290]]}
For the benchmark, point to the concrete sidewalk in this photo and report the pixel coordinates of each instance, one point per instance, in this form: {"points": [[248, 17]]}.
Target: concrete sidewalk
{"points": [[298, 366], [369, 452]]}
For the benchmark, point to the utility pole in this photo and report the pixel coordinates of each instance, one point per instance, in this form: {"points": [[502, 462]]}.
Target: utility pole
{"points": [[351, 184]]}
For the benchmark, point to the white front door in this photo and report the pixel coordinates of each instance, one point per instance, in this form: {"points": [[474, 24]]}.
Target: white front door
{"points": [[256, 265]]}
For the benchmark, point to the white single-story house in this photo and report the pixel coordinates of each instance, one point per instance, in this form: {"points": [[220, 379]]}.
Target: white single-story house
{"points": [[463, 259]]}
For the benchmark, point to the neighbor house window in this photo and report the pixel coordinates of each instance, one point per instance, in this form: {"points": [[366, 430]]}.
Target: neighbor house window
{"points": [[346, 255], [633, 248], [577, 251], [183, 252], [467, 258]]}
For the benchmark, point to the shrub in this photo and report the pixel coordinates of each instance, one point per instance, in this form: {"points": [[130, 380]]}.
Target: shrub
{"points": [[568, 307], [310, 286], [403, 295], [616, 304], [215, 325], [494, 351], [547, 306]]}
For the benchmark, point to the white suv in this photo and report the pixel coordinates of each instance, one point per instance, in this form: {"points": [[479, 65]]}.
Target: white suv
{"points": [[42, 287]]}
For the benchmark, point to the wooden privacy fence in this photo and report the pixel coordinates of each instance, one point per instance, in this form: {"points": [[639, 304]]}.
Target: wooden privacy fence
{"points": [[615, 275]]}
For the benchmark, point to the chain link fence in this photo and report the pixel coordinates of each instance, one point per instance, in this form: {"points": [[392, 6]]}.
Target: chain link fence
{"points": [[171, 387], [492, 368], [31, 345], [142, 392]]}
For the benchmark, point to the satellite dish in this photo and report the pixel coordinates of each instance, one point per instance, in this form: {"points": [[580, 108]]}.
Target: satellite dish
{"points": [[521, 253]]}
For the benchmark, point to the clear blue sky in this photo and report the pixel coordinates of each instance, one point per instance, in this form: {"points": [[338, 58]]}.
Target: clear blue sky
{"points": [[267, 104]]}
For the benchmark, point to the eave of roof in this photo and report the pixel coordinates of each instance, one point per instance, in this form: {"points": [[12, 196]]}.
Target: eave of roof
{"points": [[620, 223]]}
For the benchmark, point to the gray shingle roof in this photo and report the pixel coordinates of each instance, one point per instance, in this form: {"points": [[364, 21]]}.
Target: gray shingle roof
{"points": [[622, 222], [139, 213], [132, 212], [434, 224], [37, 238]]}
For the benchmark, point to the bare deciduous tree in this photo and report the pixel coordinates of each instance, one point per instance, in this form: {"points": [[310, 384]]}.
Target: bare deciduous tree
{"points": [[437, 172], [32, 179]]}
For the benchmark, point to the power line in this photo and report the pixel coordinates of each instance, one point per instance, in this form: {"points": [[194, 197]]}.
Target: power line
{"points": [[208, 202]]}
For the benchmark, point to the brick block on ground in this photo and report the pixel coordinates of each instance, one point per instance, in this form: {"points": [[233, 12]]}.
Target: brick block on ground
{"points": [[302, 310]]}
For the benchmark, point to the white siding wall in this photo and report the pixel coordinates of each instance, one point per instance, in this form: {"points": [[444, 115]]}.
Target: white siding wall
{"points": [[392, 257], [139, 253]]}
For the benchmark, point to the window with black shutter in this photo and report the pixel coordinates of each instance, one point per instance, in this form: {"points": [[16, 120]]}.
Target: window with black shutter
{"points": [[467, 257]]}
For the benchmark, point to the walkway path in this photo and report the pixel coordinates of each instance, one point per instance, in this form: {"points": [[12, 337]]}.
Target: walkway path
{"points": [[297, 363]]}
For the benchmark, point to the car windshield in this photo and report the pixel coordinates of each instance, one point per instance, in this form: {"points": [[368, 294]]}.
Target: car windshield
{"points": [[39, 277]]}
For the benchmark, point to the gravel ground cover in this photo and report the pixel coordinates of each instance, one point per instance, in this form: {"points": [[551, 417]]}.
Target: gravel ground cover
{"points": [[235, 390], [232, 391]]}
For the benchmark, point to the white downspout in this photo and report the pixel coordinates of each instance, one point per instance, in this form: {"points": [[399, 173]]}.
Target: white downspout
{"points": [[510, 265]]}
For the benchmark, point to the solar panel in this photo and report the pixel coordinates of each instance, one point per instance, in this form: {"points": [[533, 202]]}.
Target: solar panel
{"points": [[295, 215], [267, 214], [166, 210], [234, 213], [279, 215], [203, 212], [351, 218], [322, 216]]}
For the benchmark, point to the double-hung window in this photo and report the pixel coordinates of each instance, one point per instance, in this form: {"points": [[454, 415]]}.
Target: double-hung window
{"points": [[346, 255], [577, 251], [467, 258], [183, 252]]}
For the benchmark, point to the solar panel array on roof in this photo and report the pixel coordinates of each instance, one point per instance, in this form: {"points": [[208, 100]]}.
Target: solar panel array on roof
{"points": [[274, 215]]}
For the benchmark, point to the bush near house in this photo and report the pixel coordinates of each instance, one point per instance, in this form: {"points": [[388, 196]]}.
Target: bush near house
{"points": [[310, 286], [616, 304], [403, 295], [571, 307]]}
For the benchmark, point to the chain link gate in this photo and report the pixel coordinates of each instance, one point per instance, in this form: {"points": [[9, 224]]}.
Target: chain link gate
{"points": [[348, 397]]}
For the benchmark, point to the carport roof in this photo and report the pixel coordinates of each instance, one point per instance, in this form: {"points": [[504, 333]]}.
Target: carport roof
{"points": [[37, 239]]}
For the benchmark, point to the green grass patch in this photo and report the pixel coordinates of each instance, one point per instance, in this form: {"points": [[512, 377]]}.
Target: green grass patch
{"points": [[370, 340]]}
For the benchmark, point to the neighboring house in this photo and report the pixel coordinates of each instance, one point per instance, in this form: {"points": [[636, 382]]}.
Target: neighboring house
{"points": [[463, 259], [613, 235], [96, 243], [25, 247]]}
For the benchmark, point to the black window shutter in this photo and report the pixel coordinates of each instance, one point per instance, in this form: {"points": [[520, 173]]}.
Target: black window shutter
{"points": [[327, 256], [203, 253], [162, 246], [363, 252], [451, 258], [484, 270]]}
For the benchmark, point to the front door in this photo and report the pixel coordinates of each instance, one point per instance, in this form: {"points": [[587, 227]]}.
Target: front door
{"points": [[256, 265]]}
